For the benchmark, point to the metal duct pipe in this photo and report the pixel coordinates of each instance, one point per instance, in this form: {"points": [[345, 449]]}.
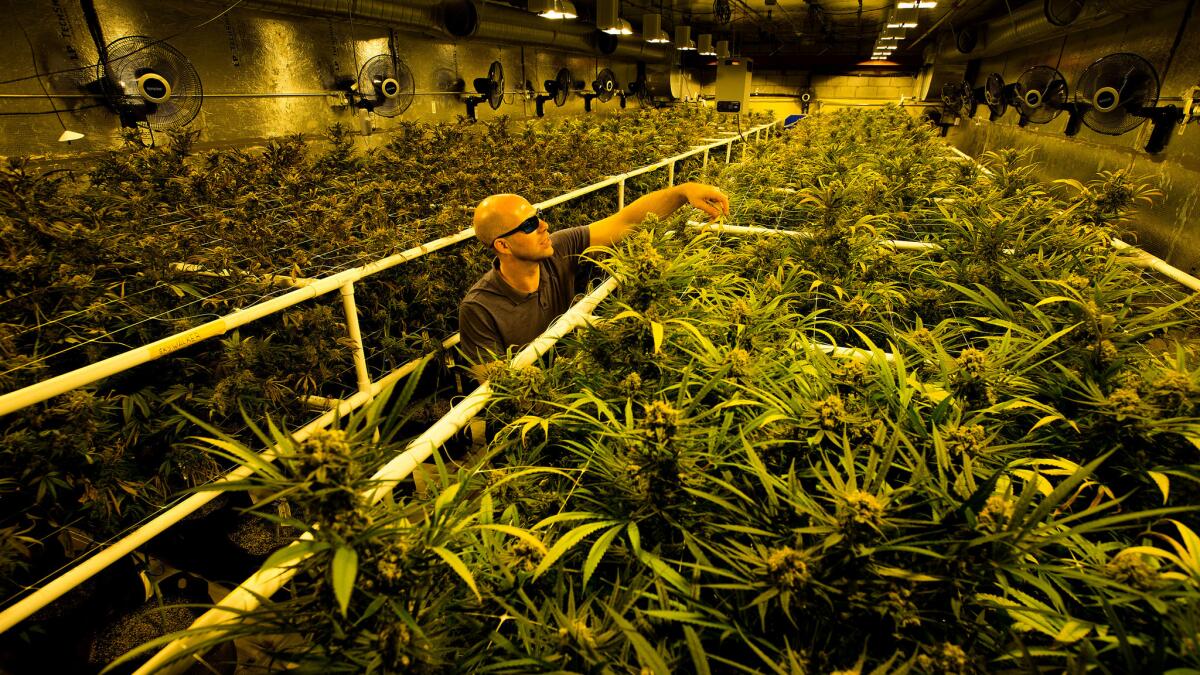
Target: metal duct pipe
{"points": [[423, 15], [466, 18], [1028, 25], [498, 23]]}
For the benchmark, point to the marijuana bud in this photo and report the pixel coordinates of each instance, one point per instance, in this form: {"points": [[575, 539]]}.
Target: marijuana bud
{"points": [[972, 363], [326, 456], [524, 556], [661, 420], [1124, 402], [632, 384], [967, 441], [863, 508], [831, 411], [739, 361], [1131, 569], [946, 659], [787, 568], [996, 514]]}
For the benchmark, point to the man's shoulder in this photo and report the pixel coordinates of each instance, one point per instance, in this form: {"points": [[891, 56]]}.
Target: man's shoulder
{"points": [[571, 241], [483, 289]]}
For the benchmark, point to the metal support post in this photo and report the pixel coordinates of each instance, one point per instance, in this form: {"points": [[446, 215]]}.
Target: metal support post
{"points": [[621, 194]]}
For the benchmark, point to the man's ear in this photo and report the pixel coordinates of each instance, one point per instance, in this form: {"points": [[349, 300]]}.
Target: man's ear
{"points": [[500, 246]]}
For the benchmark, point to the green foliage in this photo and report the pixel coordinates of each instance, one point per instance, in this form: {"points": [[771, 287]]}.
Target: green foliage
{"points": [[88, 269], [1001, 477]]}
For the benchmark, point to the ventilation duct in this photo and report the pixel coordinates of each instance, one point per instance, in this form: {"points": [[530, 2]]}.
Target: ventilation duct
{"points": [[1028, 25], [466, 18], [423, 16]]}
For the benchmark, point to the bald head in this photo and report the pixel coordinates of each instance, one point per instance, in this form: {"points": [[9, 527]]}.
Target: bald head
{"points": [[498, 214]]}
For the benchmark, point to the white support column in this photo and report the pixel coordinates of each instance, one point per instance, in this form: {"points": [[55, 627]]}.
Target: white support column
{"points": [[621, 193], [671, 173], [359, 354], [728, 151], [706, 158]]}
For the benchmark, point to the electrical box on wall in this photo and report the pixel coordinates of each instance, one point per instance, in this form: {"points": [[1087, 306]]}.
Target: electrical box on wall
{"points": [[733, 84]]}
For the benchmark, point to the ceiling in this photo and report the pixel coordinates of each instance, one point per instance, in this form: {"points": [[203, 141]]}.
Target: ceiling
{"points": [[816, 35]]}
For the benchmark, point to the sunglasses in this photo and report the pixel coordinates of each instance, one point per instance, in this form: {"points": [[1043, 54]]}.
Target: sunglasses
{"points": [[528, 226]]}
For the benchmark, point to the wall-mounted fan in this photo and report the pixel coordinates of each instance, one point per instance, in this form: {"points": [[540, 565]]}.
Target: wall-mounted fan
{"points": [[385, 86], [604, 87], [807, 96], [490, 89], [1118, 93], [557, 90], [997, 94], [959, 98], [148, 80], [1040, 95]]}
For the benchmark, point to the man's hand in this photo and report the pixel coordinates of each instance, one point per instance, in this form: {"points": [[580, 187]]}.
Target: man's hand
{"points": [[706, 198]]}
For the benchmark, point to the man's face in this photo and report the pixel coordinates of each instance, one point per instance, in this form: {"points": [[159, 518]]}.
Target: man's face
{"points": [[531, 246]]}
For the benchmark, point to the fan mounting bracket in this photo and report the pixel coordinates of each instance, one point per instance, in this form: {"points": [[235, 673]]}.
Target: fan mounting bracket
{"points": [[473, 100]]}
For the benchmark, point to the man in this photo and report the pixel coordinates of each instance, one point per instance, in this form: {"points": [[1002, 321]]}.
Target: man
{"points": [[532, 281]]}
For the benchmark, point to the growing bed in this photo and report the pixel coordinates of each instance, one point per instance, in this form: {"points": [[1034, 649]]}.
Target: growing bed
{"points": [[1000, 476]]}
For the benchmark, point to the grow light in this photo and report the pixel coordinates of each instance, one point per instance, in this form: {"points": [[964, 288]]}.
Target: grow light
{"points": [[917, 4], [903, 19], [553, 9], [623, 27], [683, 39], [652, 29]]}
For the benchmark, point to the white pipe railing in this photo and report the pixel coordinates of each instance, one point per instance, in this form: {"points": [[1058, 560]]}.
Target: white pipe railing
{"points": [[104, 557], [276, 279], [309, 288], [264, 583]]}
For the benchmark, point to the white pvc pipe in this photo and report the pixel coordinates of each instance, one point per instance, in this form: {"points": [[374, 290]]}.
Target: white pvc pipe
{"points": [[358, 351], [852, 352], [250, 593], [1144, 259], [277, 279], [319, 402], [961, 154], [85, 570]]}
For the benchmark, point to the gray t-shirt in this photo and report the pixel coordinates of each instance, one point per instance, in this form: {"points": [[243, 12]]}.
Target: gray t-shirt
{"points": [[494, 316]]}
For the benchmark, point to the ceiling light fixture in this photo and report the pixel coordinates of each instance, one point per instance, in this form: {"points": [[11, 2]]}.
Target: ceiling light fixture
{"points": [[623, 27], [652, 29], [916, 4], [553, 9], [903, 19], [704, 45], [683, 39], [722, 49], [608, 18]]}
